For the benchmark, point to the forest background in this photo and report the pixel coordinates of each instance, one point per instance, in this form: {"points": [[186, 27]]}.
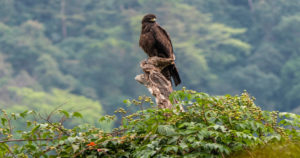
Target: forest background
{"points": [[83, 55]]}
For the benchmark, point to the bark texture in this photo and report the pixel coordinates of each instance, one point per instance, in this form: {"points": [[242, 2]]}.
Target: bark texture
{"points": [[155, 81]]}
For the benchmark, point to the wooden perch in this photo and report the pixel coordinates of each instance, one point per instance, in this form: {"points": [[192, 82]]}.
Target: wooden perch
{"points": [[155, 81]]}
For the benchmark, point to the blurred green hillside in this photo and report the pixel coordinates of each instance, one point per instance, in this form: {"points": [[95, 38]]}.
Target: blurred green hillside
{"points": [[90, 48]]}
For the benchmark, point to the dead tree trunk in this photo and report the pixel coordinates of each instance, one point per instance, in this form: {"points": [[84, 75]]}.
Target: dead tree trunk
{"points": [[155, 81]]}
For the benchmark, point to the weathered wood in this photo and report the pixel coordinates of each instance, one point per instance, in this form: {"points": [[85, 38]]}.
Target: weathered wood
{"points": [[155, 81]]}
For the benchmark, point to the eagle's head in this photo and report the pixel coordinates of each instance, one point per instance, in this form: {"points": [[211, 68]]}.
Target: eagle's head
{"points": [[149, 18]]}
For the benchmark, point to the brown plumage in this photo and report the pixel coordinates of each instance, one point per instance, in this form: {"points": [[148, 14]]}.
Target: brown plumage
{"points": [[155, 41]]}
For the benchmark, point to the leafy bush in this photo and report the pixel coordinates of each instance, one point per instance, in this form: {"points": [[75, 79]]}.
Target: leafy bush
{"points": [[43, 103], [210, 126]]}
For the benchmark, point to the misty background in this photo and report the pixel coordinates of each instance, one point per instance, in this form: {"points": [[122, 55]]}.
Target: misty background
{"points": [[84, 55]]}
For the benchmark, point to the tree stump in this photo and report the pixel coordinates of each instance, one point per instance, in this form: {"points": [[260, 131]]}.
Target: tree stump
{"points": [[155, 81]]}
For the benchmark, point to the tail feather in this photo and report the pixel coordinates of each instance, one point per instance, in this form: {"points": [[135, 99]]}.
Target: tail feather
{"points": [[175, 75], [171, 72]]}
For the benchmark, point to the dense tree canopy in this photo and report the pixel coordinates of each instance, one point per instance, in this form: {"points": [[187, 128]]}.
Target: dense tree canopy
{"points": [[90, 47]]}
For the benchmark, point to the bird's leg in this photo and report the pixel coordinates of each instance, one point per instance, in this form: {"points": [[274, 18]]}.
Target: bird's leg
{"points": [[160, 63]]}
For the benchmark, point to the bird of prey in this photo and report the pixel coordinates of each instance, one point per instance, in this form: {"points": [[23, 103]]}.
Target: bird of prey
{"points": [[155, 41]]}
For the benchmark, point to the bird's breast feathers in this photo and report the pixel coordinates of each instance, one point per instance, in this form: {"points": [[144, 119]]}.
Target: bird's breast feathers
{"points": [[147, 42]]}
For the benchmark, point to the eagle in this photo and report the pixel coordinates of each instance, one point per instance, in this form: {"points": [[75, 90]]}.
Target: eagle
{"points": [[155, 41]]}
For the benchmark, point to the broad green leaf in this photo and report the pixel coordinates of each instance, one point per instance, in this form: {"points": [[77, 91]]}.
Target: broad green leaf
{"points": [[166, 130], [66, 113], [76, 114]]}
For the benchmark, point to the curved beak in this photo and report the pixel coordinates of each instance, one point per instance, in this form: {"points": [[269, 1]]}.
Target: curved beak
{"points": [[153, 19]]}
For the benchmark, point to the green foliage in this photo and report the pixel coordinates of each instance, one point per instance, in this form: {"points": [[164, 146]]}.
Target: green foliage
{"points": [[277, 150], [210, 126], [90, 48], [289, 74], [44, 103]]}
